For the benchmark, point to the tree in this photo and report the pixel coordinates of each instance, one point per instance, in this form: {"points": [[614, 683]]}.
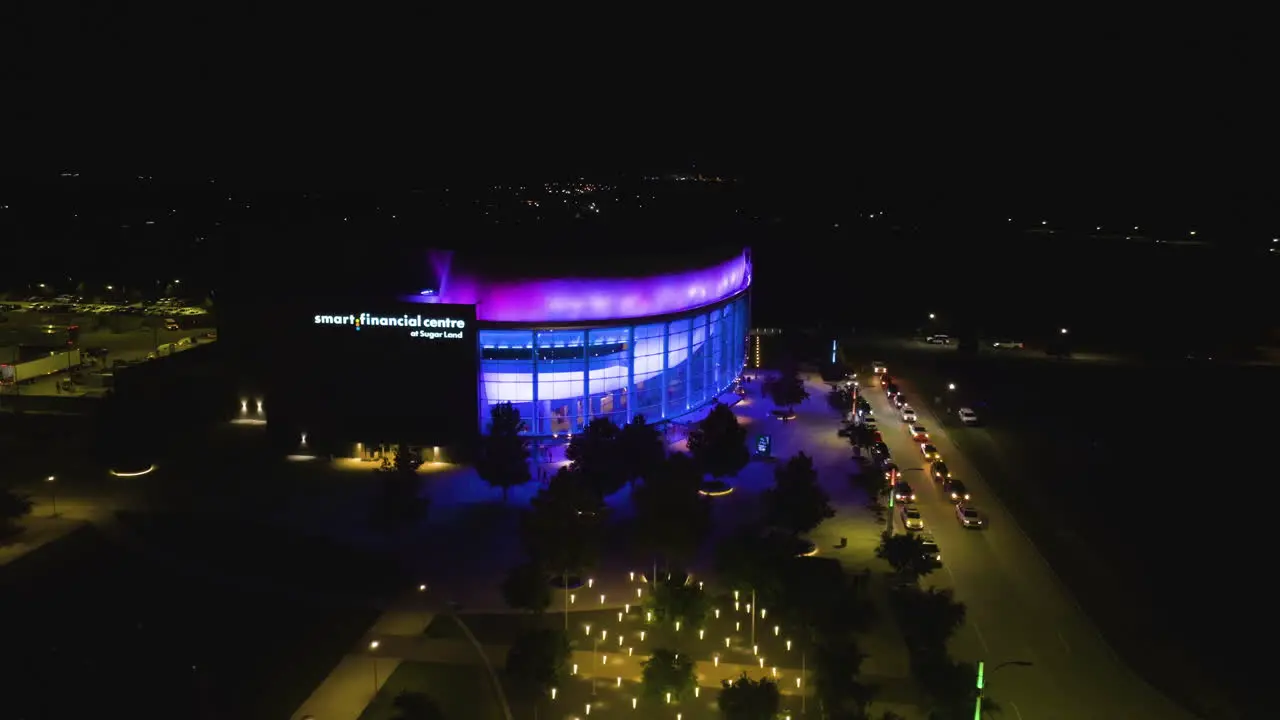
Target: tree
{"points": [[796, 502], [905, 554], [719, 443], [13, 507], [667, 671], [837, 663], [596, 453], [641, 449], [747, 699], [536, 662], [400, 503], [504, 453], [675, 599], [560, 528], [840, 400], [416, 706], [672, 517], [526, 588], [935, 616], [749, 560], [787, 389]]}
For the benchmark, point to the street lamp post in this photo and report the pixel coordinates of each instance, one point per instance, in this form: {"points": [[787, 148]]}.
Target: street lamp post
{"points": [[893, 480], [53, 493], [981, 684], [373, 648]]}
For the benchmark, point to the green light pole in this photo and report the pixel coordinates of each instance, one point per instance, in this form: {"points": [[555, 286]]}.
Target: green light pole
{"points": [[981, 684], [893, 479]]}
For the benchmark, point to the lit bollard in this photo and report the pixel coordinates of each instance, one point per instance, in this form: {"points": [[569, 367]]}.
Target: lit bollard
{"points": [[737, 606], [697, 691], [677, 626], [604, 659], [629, 651], [761, 663], [620, 681], [726, 642], [638, 591], [588, 708], [775, 671], [627, 608], [735, 594], [788, 646], [591, 582], [648, 616], [755, 649], [702, 633], [748, 608], [699, 584], [587, 629], [633, 703], [763, 613], [633, 576], [619, 641], [716, 660], [619, 616], [573, 599], [575, 668], [737, 626], [601, 598], [717, 613], [641, 636], [553, 693], [776, 630], [668, 698]]}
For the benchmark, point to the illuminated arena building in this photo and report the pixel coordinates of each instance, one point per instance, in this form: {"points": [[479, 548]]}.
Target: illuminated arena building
{"points": [[566, 351], [372, 365]]}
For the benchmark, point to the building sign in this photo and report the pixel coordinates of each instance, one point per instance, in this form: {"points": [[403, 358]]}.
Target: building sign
{"points": [[417, 325]]}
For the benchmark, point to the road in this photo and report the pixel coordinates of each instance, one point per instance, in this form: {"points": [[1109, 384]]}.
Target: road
{"points": [[1018, 609]]}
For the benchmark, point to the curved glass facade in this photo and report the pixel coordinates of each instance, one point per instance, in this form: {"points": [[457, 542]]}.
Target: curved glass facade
{"points": [[561, 379]]}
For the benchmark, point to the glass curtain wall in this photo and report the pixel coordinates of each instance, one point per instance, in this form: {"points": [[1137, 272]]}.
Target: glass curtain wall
{"points": [[560, 379]]}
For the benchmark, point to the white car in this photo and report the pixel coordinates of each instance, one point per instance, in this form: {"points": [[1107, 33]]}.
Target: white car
{"points": [[968, 516], [879, 367], [968, 416], [908, 414], [930, 547], [938, 340], [911, 518], [1008, 345]]}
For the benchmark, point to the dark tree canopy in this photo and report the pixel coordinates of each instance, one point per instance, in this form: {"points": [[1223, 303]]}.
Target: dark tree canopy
{"points": [[536, 661], [561, 528], [504, 453], [672, 516], [401, 502], [596, 453], [641, 449], [787, 389], [719, 443], [747, 699], [905, 554], [796, 502]]}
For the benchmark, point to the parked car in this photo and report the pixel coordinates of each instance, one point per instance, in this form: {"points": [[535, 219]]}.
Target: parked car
{"points": [[911, 517], [968, 416]]}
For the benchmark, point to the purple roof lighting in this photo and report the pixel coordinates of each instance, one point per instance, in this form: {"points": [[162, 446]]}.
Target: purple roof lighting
{"points": [[579, 300]]}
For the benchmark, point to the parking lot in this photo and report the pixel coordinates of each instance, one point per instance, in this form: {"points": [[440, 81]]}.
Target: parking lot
{"points": [[109, 336]]}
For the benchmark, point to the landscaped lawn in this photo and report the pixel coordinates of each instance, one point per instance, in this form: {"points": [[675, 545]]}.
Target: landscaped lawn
{"points": [[462, 692], [103, 630]]}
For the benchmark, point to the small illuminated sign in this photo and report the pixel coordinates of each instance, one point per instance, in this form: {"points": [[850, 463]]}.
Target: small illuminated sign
{"points": [[416, 325], [764, 445]]}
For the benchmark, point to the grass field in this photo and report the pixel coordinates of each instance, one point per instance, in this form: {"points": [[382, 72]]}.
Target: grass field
{"points": [[1136, 501], [102, 629]]}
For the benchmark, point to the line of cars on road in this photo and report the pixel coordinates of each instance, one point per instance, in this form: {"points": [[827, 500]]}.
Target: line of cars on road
{"points": [[954, 490]]}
